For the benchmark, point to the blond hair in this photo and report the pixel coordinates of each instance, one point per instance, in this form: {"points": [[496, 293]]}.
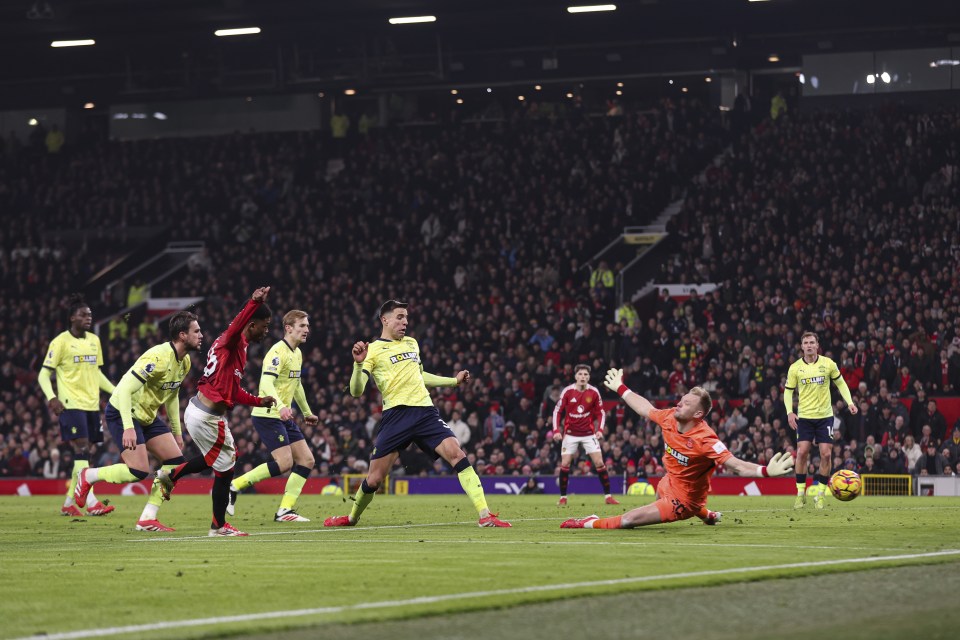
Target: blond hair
{"points": [[292, 317], [706, 402]]}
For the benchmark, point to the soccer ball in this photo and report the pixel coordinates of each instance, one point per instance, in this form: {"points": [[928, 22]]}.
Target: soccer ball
{"points": [[331, 490], [641, 489], [845, 485]]}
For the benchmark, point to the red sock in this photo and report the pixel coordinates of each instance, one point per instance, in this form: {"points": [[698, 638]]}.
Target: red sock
{"points": [[608, 523]]}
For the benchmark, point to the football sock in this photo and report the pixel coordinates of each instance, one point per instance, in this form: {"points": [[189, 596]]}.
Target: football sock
{"points": [[221, 495], [363, 497], [291, 492], [470, 482], [194, 465], [564, 480], [801, 483], [704, 513], [604, 479], [78, 463], [821, 481], [604, 523], [115, 474], [156, 498], [266, 470]]}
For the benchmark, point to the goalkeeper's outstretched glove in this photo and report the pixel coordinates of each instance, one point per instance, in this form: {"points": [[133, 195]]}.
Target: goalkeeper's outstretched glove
{"points": [[780, 464], [614, 380]]}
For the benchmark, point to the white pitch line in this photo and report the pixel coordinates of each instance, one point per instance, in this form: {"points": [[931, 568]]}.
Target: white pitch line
{"points": [[392, 604]]}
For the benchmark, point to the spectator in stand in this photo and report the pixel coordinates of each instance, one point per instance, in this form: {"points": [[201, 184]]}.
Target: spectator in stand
{"points": [[911, 451], [931, 463]]}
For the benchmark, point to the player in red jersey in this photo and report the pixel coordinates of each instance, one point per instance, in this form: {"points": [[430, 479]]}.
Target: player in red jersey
{"points": [[218, 391], [692, 453], [583, 407]]}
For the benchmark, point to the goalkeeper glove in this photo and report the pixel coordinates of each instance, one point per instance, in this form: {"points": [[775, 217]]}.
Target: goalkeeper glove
{"points": [[614, 380], [780, 464]]}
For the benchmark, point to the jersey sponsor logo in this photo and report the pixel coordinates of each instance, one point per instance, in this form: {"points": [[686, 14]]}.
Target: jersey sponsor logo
{"points": [[813, 380], [238, 373], [293, 374], [166, 386], [682, 459], [403, 357], [87, 359]]}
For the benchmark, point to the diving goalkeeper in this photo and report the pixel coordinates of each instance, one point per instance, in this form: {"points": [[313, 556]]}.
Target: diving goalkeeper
{"points": [[692, 452]]}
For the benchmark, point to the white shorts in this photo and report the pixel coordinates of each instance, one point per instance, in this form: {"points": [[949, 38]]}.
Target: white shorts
{"points": [[571, 444], [211, 434]]}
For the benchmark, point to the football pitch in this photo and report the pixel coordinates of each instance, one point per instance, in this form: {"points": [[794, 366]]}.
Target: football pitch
{"points": [[419, 567]]}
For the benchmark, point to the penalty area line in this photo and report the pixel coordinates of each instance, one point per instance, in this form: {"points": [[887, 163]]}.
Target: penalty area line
{"points": [[392, 604]]}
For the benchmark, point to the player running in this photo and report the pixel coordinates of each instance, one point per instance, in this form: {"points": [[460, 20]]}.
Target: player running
{"points": [[153, 381], [585, 418], [692, 453], [278, 431], [813, 374], [217, 392], [75, 356], [393, 361]]}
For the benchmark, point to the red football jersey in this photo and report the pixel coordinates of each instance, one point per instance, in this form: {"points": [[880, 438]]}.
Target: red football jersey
{"points": [[580, 408], [226, 360]]}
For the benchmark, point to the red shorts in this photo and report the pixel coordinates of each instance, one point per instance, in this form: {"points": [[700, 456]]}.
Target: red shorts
{"points": [[671, 505]]}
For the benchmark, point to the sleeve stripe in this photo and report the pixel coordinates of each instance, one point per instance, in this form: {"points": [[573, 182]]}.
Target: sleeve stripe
{"points": [[138, 377], [838, 375], [268, 373], [49, 367], [790, 388]]}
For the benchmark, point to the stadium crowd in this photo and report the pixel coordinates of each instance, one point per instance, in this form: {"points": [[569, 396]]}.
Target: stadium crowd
{"points": [[845, 223]]}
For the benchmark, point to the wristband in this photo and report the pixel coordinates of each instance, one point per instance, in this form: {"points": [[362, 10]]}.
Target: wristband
{"points": [[622, 390], [763, 472]]}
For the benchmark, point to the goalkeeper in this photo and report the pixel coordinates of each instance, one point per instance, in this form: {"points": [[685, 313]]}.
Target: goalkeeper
{"points": [[691, 453]]}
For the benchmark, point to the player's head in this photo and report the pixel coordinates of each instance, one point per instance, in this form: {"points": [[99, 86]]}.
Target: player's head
{"points": [[809, 343], [694, 405], [81, 318], [296, 325], [581, 373], [184, 327], [259, 324], [393, 316]]}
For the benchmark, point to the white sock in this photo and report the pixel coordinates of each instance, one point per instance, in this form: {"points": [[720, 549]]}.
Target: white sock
{"points": [[91, 497], [69, 501], [588, 525], [150, 512], [92, 475]]}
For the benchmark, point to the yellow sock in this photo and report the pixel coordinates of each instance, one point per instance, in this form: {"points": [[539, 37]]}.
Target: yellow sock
{"points": [[156, 498], [252, 477], [360, 501], [116, 474], [801, 488], [291, 492], [470, 482]]}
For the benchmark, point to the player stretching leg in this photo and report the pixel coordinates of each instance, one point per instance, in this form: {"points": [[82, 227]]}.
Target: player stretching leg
{"points": [[813, 373], [206, 415], [583, 407], [692, 452], [408, 413], [75, 356], [278, 431], [153, 381]]}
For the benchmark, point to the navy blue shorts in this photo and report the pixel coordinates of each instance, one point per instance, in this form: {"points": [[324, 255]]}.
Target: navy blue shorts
{"points": [[818, 431], [115, 424], [275, 433], [75, 424], [400, 426]]}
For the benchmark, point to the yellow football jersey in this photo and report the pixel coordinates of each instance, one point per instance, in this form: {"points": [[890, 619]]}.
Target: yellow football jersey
{"points": [[395, 367], [76, 363], [161, 375], [812, 382], [285, 365]]}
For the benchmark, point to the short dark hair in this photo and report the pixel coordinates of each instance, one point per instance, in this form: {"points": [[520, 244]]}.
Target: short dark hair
{"points": [[389, 306], [74, 303], [582, 367], [180, 323], [262, 312]]}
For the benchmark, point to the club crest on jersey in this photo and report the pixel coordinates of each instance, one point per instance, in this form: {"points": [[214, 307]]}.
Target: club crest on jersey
{"points": [[813, 380], [403, 357], [589, 399], [682, 459], [689, 443]]}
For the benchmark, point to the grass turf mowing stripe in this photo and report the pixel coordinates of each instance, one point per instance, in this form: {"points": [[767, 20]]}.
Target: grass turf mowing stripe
{"points": [[266, 615]]}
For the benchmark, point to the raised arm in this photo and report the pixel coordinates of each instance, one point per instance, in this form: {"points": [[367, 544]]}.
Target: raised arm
{"points": [[232, 334], [614, 382]]}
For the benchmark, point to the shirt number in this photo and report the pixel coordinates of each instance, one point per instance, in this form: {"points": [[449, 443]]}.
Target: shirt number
{"points": [[211, 364]]}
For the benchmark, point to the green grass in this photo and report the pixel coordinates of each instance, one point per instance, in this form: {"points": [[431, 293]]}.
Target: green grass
{"points": [[60, 575]]}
